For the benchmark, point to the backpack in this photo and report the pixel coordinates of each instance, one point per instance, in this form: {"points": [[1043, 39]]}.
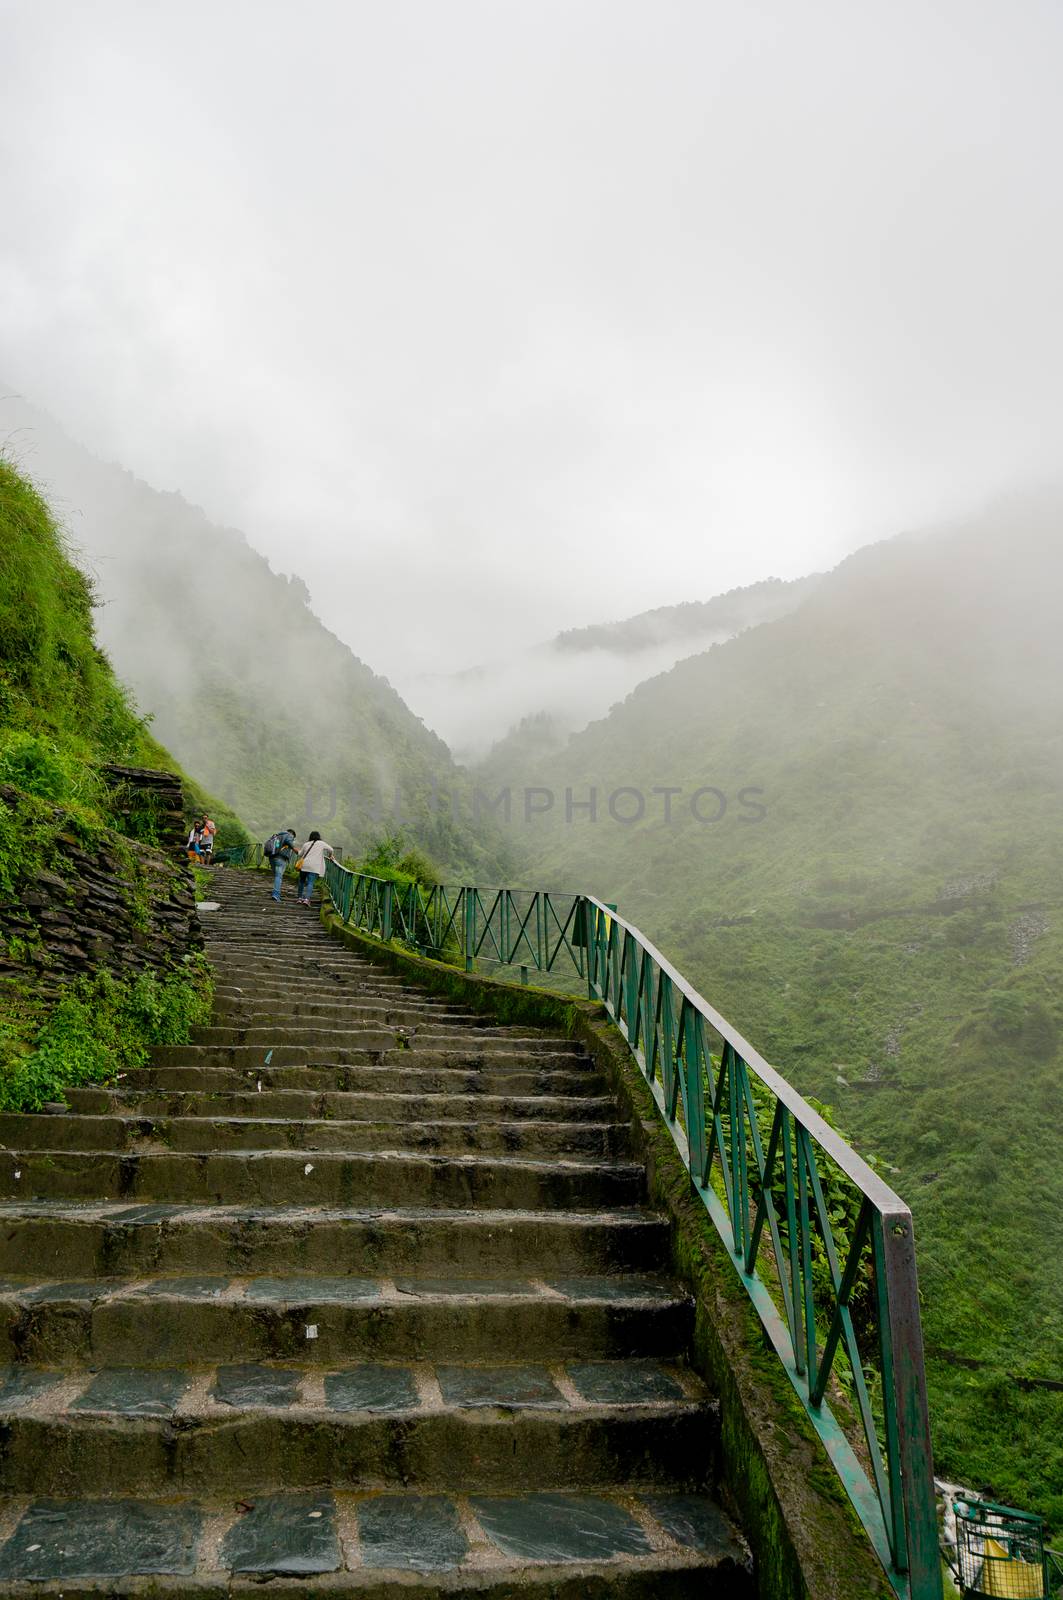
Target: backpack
{"points": [[275, 844]]}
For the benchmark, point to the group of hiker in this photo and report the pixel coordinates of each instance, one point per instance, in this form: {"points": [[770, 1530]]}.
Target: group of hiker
{"points": [[280, 849], [200, 844]]}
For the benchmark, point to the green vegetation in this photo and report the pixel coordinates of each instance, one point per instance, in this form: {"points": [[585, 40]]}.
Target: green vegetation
{"points": [[63, 716], [890, 934], [101, 1026]]}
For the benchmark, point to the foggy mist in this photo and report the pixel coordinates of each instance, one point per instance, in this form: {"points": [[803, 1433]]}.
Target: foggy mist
{"points": [[490, 320]]}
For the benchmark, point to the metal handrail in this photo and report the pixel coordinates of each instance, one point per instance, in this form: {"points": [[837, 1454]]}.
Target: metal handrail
{"points": [[761, 1160]]}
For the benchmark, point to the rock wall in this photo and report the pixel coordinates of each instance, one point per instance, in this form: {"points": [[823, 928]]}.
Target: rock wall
{"points": [[149, 802], [116, 904]]}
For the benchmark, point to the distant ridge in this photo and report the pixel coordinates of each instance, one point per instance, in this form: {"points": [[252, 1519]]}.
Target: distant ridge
{"points": [[726, 613]]}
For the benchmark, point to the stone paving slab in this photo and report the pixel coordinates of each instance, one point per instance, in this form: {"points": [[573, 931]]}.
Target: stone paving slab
{"points": [[359, 1387], [404, 1533], [299, 1535], [372, 1387], [251, 1385], [101, 1538], [554, 1527], [129, 1393], [287, 1535]]}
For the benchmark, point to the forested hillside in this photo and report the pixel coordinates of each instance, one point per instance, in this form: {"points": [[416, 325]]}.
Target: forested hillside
{"points": [[245, 685], [884, 917]]}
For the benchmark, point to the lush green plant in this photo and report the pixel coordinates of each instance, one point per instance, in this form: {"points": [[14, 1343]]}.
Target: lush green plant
{"points": [[99, 1027], [391, 857]]}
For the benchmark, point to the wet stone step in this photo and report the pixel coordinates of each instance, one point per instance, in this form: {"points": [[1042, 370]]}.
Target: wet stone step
{"points": [[162, 1322], [250, 1436], [372, 1036], [323, 1177], [646, 1544], [77, 1240], [198, 1133], [364, 1386], [341, 1105], [369, 1075]]}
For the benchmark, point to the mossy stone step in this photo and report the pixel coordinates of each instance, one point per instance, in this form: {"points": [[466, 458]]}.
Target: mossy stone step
{"points": [[642, 1545], [167, 1321], [573, 1141], [324, 1177], [249, 1427], [77, 1240]]}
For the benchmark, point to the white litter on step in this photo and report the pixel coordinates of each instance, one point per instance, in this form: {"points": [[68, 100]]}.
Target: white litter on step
{"points": [[311, 1330], [307, 1170], [208, 905], [18, 1172], [260, 1085], [313, 1515]]}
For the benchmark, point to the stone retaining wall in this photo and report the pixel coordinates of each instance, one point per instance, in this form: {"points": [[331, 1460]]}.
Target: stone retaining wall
{"points": [[123, 906]]}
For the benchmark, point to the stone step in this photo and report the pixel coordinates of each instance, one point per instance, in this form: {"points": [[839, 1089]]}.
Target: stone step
{"points": [[253, 1014], [254, 1428], [327, 990], [171, 1321], [635, 1544], [319, 1177], [375, 1036], [80, 1240], [220, 1132], [383, 1106], [434, 1073]]}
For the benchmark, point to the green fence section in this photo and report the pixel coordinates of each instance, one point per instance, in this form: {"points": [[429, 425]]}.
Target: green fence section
{"points": [[824, 1247]]}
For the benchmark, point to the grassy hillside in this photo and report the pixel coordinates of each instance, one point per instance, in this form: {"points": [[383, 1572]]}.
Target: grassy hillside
{"points": [[246, 686], [63, 714], [890, 931]]}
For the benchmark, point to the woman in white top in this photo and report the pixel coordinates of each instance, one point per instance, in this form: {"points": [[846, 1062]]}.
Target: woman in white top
{"points": [[312, 858]]}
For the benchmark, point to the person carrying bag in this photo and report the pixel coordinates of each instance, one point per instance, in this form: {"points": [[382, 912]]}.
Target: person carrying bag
{"points": [[311, 865]]}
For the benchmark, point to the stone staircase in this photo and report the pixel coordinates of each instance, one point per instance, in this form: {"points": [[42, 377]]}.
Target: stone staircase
{"points": [[358, 1291]]}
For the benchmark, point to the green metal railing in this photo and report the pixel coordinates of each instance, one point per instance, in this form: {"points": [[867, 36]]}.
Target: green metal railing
{"points": [[1054, 1571], [811, 1229]]}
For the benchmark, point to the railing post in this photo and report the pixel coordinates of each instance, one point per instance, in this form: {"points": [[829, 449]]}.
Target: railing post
{"points": [[385, 912], [896, 1256], [470, 926]]}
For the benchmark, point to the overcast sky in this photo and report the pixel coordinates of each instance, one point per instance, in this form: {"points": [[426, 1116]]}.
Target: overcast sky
{"points": [[492, 317]]}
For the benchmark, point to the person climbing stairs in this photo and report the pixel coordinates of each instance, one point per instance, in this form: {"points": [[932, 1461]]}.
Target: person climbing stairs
{"points": [[359, 1290]]}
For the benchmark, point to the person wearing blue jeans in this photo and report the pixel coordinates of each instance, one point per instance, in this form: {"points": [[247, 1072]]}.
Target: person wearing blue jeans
{"points": [[312, 858], [280, 851]]}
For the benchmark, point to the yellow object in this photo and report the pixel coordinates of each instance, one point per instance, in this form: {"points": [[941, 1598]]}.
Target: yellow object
{"points": [[299, 864], [1007, 1578]]}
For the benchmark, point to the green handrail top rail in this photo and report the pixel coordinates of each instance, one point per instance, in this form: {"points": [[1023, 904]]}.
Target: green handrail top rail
{"points": [[761, 1160], [841, 1153]]}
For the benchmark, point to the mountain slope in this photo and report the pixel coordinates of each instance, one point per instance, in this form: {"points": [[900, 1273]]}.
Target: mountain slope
{"points": [[245, 684], [884, 917], [498, 713]]}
